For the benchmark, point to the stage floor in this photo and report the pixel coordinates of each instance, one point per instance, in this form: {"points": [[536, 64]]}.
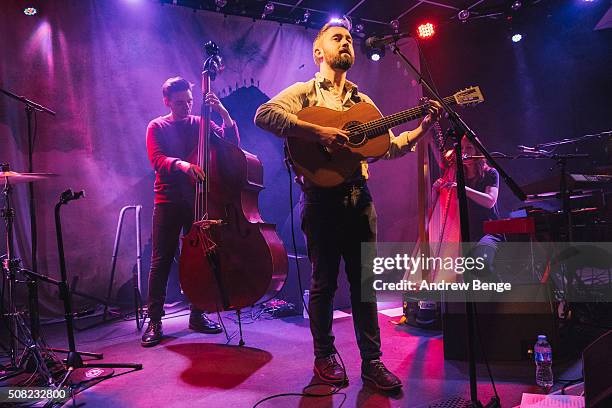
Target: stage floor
{"points": [[190, 369]]}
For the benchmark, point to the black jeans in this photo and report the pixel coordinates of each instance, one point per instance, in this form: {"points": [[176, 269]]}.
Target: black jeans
{"points": [[168, 221], [335, 222], [486, 248]]}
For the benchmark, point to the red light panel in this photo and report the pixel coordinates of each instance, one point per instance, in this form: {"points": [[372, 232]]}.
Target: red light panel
{"points": [[426, 30]]}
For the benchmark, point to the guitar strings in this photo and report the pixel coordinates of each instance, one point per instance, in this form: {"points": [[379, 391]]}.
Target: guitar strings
{"points": [[372, 128], [397, 117]]}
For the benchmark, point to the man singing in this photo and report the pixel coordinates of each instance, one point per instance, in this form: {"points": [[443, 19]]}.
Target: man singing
{"points": [[172, 142], [337, 220]]}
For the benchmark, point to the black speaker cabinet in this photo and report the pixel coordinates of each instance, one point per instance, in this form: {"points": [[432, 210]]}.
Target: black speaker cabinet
{"points": [[596, 363], [508, 330]]}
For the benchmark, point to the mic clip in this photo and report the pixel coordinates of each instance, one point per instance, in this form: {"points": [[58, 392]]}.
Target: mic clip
{"points": [[69, 195]]}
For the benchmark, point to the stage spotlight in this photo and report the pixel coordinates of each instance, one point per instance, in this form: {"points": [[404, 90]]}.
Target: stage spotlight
{"points": [[463, 15], [375, 54], [306, 16], [30, 11], [359, 28], [221, 3], [268, 9], [516, 38], [395, 25], [516, 5], [344, 22], [426, 30]]}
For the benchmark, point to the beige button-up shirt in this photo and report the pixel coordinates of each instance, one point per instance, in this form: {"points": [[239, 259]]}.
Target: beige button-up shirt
{"points": [[278, 115]]}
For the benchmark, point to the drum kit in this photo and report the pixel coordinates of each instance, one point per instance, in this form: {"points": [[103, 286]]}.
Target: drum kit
{"points": [[35, 353]]}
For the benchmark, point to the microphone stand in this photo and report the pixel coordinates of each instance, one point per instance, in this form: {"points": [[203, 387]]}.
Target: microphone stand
{"points": [[30, 108], [74, 359], [461, 129]]}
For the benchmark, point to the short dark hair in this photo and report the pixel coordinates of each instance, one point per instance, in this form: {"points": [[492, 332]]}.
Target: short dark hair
{"points": [[336, 22], [175, 84]]}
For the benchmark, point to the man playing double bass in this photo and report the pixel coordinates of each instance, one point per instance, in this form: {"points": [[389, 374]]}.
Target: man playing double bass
{"points": [[172, 142], [336, 220]]}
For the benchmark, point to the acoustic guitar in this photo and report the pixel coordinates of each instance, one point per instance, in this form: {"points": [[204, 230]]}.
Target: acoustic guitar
{"points": [[369, 137]]}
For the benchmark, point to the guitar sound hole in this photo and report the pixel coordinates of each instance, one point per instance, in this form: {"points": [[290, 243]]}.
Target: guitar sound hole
{"points": [[355, 138]]}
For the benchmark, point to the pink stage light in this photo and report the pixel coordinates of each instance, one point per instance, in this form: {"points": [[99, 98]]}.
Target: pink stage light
{"points": [[426, 30]]}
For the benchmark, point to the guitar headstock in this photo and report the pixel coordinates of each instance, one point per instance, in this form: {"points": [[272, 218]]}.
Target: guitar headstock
{"points": [[469, 96]]}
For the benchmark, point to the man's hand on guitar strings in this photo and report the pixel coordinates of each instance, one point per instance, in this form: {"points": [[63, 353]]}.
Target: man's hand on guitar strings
{"points": [[332, 137]]}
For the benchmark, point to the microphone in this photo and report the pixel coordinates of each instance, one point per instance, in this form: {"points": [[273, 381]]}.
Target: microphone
{"points": [[69, 195], [382, 41]]}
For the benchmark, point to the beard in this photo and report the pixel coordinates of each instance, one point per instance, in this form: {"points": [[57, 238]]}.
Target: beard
{"points": [[341, 61]]}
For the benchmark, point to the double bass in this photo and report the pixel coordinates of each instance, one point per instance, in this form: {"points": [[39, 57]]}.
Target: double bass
{"points": [[230, 258]]}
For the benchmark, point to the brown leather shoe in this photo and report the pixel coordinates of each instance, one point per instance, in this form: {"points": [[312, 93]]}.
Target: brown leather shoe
{"points": [[328, 370], [375, 372]]}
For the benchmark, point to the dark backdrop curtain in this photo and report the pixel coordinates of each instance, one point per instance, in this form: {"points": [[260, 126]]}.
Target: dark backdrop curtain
{"points": [[100, 65]]}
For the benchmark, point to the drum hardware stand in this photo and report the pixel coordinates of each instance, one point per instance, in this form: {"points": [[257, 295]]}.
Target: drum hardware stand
{"points": [[30, 108], [136, 275], [10, 268]]}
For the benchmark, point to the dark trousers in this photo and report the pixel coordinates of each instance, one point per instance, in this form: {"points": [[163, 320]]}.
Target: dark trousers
{"points": [[168, 221], [486, 248], [335, 222]]}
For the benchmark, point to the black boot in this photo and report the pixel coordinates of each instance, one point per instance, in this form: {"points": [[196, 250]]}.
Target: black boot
{"points": [[330, 371], [201, 323], [153, 335], [375, 372]]}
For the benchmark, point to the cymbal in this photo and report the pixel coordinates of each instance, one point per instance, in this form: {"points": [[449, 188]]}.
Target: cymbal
{"points": [[15, 178]]}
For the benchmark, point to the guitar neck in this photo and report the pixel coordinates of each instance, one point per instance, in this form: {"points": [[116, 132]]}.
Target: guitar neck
{"points": [[382, 125]]}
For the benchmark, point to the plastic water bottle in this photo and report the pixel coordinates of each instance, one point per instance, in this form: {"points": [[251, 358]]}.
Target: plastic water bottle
{"points": [[306, 302], [543, 360]]}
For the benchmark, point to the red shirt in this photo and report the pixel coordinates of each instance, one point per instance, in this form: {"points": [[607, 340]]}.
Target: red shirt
{"points": [[169, 141]]}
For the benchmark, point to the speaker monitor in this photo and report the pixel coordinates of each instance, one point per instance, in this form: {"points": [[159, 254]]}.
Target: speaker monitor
{"points": [[508, 330]]}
